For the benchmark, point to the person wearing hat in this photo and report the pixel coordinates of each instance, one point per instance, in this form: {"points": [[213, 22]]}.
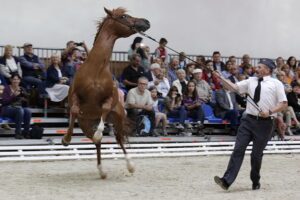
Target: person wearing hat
{"points": [[257, 123], [203, 89], [32, 68]]}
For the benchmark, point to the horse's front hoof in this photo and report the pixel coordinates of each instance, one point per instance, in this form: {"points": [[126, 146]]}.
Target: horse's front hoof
{"points": [[64, 143]]}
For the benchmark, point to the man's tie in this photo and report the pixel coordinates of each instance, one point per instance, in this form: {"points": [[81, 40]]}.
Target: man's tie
{"points": [[257, 91]]}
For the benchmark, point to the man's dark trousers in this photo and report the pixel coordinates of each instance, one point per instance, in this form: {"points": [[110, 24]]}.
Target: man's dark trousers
{"points": [[253, 129]]}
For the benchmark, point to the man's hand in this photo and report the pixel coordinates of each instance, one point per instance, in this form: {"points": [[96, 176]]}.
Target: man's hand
{"points": [[147, 107], [36, 66], [264, 114]]}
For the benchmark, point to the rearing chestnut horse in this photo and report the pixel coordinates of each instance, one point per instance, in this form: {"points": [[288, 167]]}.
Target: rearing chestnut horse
{"points": [[93, 98]]}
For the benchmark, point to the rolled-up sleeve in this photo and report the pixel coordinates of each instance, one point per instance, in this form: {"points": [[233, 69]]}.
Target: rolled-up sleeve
{"points": [[243, 86]]}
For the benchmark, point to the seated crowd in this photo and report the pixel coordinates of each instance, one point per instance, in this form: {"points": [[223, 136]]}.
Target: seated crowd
{"points": [[158, 86]]}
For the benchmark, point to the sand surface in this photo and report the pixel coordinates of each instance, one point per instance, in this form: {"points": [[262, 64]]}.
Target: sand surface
{"points": [[155, 178]]}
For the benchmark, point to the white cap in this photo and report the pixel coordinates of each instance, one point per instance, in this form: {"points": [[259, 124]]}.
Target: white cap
{"points": [[155, 66], [197, 71]]}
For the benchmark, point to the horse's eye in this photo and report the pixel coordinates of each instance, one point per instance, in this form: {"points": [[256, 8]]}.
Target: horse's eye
{"points": [[124, 16]]}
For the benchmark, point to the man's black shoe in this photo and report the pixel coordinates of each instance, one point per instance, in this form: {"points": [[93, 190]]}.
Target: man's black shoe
{"points": [[256, 186], [221, 182]]}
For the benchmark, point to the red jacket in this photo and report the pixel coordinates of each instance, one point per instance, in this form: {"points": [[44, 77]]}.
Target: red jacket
{"points": [[215, 81]]}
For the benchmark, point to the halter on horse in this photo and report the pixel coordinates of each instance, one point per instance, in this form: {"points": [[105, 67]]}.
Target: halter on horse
{"points": [[93, 98]]}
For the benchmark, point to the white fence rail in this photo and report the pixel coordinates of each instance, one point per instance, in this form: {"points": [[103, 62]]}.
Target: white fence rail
{"points": [[110, 151]]}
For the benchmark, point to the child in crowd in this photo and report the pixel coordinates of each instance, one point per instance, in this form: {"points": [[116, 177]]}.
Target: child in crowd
{"points": [[159, 116]]}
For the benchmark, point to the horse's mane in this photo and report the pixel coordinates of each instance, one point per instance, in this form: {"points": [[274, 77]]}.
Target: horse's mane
{"points": [[115, 12]]}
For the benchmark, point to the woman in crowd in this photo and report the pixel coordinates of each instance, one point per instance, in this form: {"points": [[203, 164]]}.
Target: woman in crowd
{"points": [[192, 103], [173, 106], [159, 116], [138, 48], [15, 102], [56, 83], [189, 71], [293, 98], [226, 72], [181, 82], [289, 75], [9, 64], [209, 77], [292, 63]]}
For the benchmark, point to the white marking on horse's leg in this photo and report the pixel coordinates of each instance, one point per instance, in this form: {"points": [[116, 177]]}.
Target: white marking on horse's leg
{"points": [[130, 165], [99, 132], [103, 175]]}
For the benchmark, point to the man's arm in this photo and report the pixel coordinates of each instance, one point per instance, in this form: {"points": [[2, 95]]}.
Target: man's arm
{"points": [[233, 87], [280, 107]]}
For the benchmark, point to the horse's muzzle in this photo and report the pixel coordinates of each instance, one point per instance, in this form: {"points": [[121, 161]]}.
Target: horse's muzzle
{"points": [[142, 25]]}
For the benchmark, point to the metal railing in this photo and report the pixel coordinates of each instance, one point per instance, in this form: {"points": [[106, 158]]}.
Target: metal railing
{"points": [[116, 55]]}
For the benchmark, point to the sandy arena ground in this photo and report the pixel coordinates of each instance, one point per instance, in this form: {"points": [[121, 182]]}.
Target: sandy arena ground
{"points": [[155, 178]]}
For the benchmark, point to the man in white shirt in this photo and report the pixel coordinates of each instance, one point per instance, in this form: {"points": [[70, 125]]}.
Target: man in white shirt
{"points": [[138, 102], [267, 98]]}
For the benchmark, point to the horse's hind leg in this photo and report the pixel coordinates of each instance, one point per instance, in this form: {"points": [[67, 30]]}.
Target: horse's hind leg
{"points": [[68, 136], [117, 116], [103, 175]]}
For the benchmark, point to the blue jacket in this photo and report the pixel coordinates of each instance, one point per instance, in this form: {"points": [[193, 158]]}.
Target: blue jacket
{"points": [[27, 64], [52, 76], [2, 80]]}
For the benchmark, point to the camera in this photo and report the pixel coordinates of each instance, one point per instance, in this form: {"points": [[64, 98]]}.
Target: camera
{"points": [[78, 43]]}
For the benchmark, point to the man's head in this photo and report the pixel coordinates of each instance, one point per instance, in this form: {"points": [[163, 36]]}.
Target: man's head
{"points": [[265, 67], [182, 56], [209, 64], [155, 68], [70, 44], [279, 62], [27, 48], [174, 63], [246, 59], [232, 59], [135, 59], [197, 74], [142, 84], [233, 70], [216, 56]]}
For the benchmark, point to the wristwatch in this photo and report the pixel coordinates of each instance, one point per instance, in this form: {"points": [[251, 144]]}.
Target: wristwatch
{"points": [[270, 112]]}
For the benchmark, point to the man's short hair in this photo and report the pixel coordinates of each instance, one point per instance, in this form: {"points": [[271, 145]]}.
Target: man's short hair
{"points": [[142, 78], [216, 52]]}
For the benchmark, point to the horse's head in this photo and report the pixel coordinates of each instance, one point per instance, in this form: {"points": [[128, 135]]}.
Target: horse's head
{"points": [[126, 25]]}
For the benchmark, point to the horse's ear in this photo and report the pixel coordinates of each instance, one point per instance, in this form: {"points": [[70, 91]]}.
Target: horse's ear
{"points": [[108, 11]]}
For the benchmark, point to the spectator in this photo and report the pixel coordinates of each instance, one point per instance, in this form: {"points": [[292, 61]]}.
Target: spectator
{"points": [[182, 61], [218, 64], [245, 61], [146, 59], [154, 71], [289, 75], [227, 107], [204, 91], [161, 51], [66, 55], [15, 100], [137, 47], [2, 85], [181, 82], [72, 65], [161, 83], [173, 106], [279, 65], [193, 103], [56, 83], [138, 102], [159, 116], [9, 64], [200, 62], [189, 71], [226, 72], [294, 97], [247, 70], [160, 62], [234, 72], [174, 64], [292, 63], [232, 59], [209, 77], [32, 68], [133, 72]]}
